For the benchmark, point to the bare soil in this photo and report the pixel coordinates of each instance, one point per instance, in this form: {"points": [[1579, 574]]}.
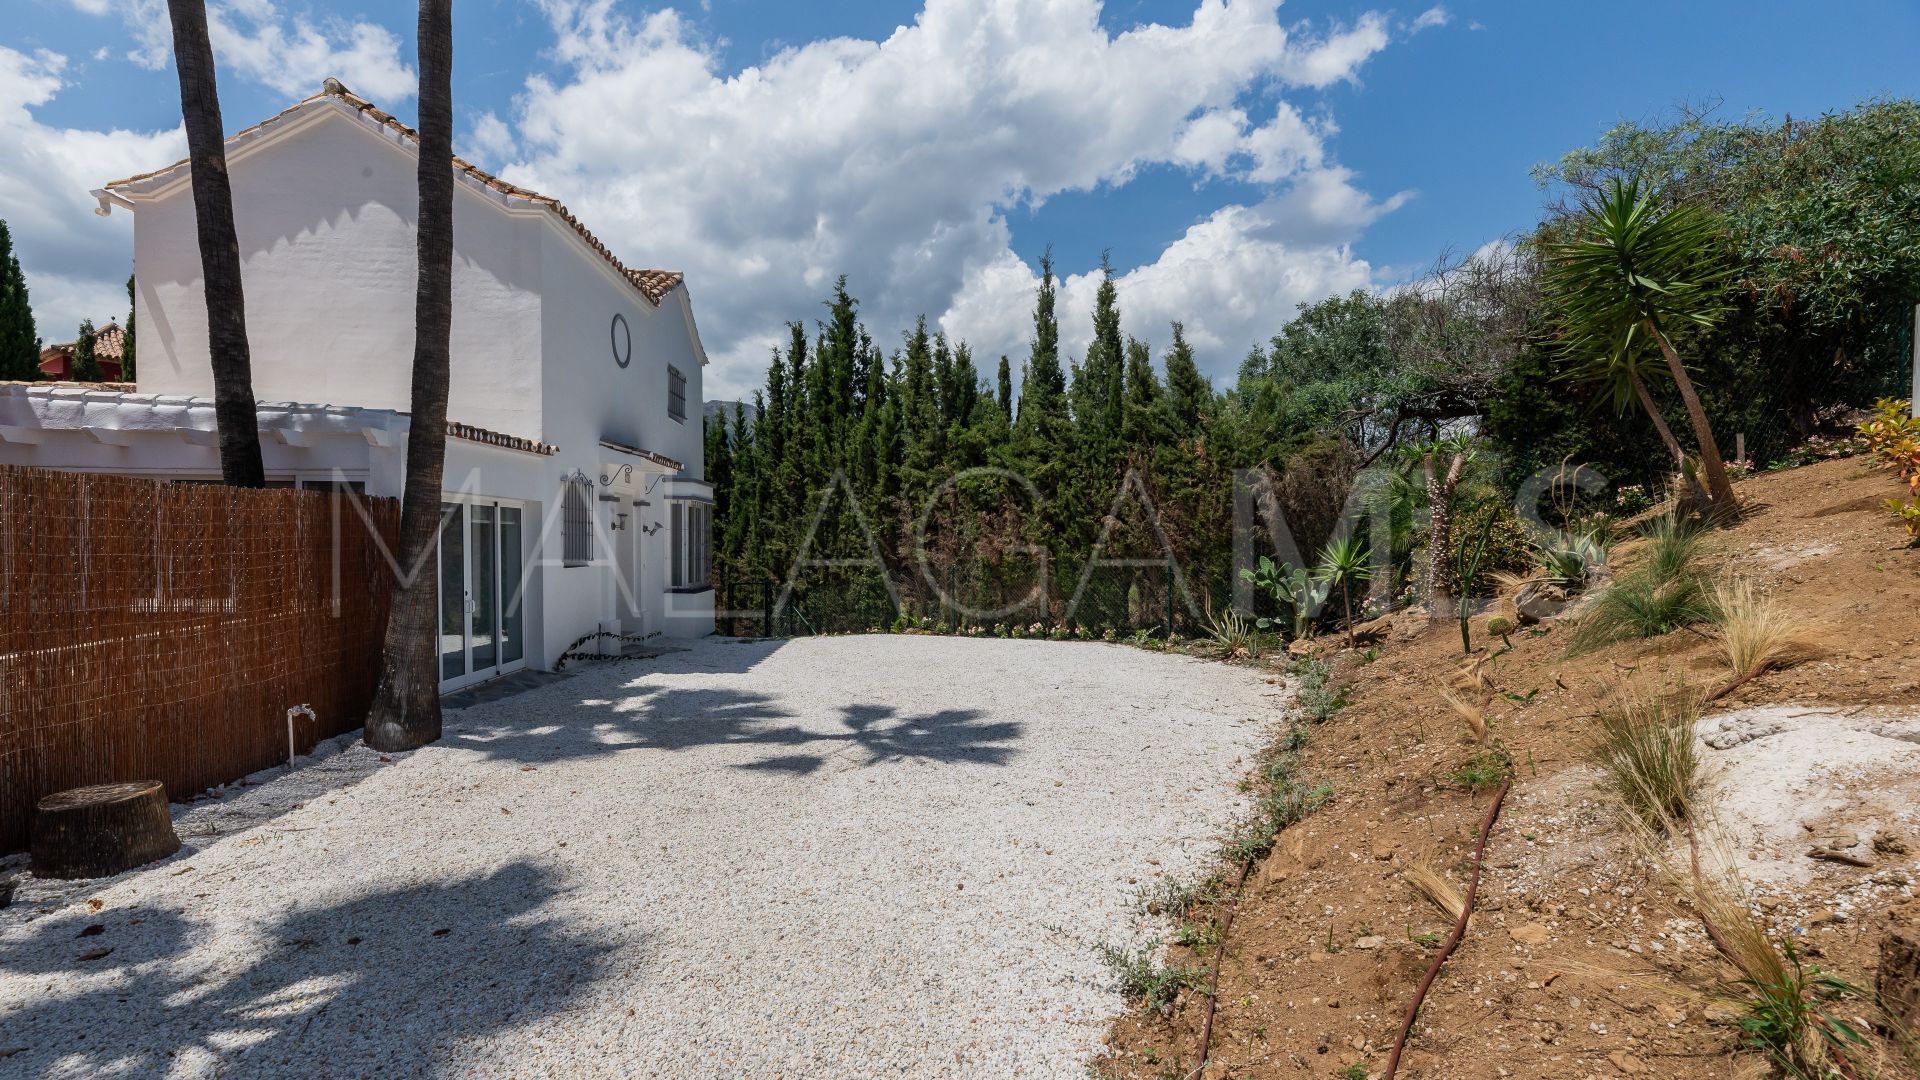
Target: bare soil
{"points": [[1580, 961]]}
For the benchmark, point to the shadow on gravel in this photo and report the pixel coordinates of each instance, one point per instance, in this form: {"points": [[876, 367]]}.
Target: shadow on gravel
{"points": [[387, 984], [673, 719]]}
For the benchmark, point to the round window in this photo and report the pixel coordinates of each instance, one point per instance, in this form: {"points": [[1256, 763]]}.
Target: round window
{"points": [[622, 341]]}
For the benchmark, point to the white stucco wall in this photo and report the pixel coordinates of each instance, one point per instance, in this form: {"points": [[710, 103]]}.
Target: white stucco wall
{"points": [[325, 207], [334, 196], [585, 390]]}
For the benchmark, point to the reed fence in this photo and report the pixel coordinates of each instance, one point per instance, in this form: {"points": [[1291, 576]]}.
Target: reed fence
{"points": [[161, 631]]}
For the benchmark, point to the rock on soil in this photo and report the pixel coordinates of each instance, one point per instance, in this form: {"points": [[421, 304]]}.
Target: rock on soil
{"points": [[1783, 781]]}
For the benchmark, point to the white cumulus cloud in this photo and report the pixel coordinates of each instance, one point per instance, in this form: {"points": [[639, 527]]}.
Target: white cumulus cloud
{"points": [[896, 162], [258, 41], [76, 263]]}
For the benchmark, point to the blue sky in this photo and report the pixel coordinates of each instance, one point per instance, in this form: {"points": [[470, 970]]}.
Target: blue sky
{"points": [[1346, 143]]}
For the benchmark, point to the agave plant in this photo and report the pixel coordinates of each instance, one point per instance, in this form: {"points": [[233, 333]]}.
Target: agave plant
{"points": [[1294, 588], [1571, 558], [1343, 562]]}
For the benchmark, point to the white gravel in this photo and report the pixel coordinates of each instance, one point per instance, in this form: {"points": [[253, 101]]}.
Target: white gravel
{"points": [[842, 857]]}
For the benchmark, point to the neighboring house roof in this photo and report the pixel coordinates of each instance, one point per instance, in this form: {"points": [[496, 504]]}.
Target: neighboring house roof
{"points": [[109, 343], [652, 284]]}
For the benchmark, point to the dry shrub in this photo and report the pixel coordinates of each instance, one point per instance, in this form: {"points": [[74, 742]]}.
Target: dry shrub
{"points": [[1757, 630], [1473, 716], [1472, 675], [1645, 750], [1434, 885], [1506, 584], [1787, 1009], [1310, 493]]}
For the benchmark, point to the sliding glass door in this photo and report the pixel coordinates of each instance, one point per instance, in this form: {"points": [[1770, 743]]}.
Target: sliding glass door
{"points": [[482, 619]]}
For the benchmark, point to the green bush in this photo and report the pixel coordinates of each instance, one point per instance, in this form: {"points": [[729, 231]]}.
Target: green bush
{"points": [[1509, 547]]}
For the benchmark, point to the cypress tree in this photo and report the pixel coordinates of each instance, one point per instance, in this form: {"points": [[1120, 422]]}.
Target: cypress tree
{"points": [[1043, 389], [1103, 376], [19, 343], [1004, 396], [86, 366], [127, 373], [966, 388], [1143, 393], [838, 356], [1189, 397]]}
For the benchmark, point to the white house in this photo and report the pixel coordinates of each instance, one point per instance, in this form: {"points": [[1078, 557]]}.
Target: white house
{"points": [[575, 492]]}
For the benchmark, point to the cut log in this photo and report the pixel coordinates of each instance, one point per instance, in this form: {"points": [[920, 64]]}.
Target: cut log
{"points": [[100, 831], [1898, 979]]}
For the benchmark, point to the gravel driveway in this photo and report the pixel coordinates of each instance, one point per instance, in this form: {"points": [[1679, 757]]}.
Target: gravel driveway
{"points": [[840, 857]]}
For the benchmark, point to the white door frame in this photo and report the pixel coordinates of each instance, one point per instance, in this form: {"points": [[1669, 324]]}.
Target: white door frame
{"points": [[506, 593]]}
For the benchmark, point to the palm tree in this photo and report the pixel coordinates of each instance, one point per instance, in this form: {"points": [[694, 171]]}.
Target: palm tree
{"points": [[1443, 463], [233, 405], [1343, 562], [1629, 276], [406, 703]]}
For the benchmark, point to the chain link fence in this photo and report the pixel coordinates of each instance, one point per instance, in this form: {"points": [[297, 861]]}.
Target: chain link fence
{"points": [[1095, 598]]}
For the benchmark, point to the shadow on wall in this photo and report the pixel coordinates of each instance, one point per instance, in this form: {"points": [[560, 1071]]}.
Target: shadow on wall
{"points": [[639, 715], [388, 984]]}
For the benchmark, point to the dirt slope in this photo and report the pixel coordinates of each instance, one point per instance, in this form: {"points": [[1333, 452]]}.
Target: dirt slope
{"points": [[1579, 962]]}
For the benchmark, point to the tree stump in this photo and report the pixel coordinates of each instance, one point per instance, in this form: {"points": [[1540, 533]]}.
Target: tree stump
{"points": [[1898, 979], [100, 831]]}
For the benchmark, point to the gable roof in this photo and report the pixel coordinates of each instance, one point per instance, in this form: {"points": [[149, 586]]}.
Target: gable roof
{"points": [[109, 343], [652, 284]]}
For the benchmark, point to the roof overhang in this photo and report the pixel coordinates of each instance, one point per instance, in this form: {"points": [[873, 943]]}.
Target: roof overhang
{"points": [[648, 460], [118, 414]]}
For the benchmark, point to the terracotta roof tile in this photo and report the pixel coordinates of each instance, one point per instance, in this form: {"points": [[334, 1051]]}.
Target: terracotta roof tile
{"points": [[468, 432], [652, 284], [110, 342]]}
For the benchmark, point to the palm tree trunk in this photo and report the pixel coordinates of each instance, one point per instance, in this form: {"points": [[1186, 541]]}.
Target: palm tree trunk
{"points": [[1666, 433], [406, 704], [233, 404], [1437, 533], [1659, 420], [1440, 532], [1719, 486]]}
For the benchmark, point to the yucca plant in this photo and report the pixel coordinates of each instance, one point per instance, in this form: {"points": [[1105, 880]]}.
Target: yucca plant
{"points": [[1469, 563], [1629, 277], [1235, 634], [1342, 563]]}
